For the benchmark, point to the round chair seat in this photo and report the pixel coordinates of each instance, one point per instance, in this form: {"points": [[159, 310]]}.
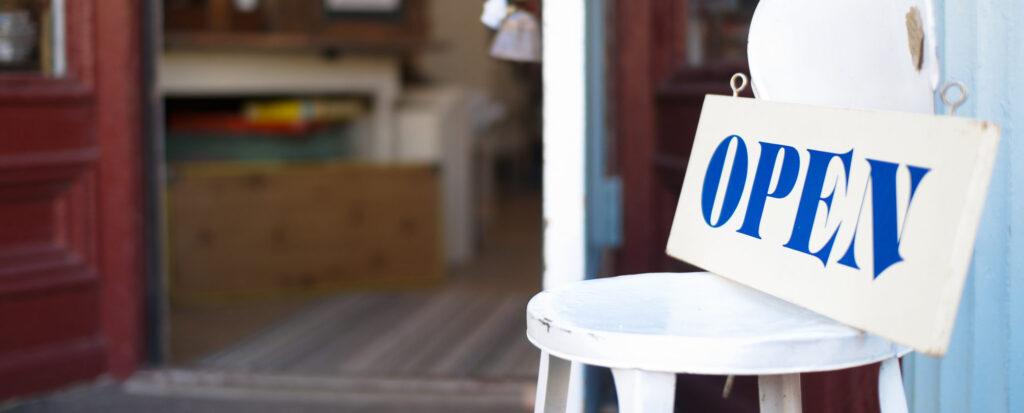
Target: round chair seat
{"points": [[696, 323]]}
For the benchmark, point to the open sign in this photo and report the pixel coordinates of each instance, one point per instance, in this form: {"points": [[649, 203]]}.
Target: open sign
{"points": [[882, 208], [863, 216]]}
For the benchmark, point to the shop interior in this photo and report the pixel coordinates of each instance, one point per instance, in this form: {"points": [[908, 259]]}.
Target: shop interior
{"points": [[350, 188]]}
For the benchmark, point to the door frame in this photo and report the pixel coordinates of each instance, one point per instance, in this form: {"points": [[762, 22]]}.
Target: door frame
{"points": [[120, 133], [564, 170], [156, 311]]}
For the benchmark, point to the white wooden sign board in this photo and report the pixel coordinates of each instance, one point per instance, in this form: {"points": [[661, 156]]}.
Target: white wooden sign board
{"points": [[866, 217]]}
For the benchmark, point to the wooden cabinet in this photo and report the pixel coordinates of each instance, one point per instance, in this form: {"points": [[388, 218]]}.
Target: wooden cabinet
{"points": [[259, 230]]}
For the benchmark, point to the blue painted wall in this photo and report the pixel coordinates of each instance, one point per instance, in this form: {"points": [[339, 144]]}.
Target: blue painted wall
{"points": [[603, 225], [982, 45], [604, 202]]}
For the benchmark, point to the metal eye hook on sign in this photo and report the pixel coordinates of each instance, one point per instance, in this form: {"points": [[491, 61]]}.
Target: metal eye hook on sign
{"points": [[953, 105], [736, 89]]}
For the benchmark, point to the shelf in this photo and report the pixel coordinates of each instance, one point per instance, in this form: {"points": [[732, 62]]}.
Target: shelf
{"points": [[207, 73], [291, 42], [239, 74]]}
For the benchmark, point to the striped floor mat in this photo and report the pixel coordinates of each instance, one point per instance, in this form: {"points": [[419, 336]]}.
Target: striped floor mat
{"points": [[449, 333]]}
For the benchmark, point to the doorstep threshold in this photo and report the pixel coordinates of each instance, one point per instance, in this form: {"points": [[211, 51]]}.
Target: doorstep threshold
{"points": [[331, 389]]}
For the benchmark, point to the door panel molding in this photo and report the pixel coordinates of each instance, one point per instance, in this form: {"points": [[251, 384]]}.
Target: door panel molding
{"points": [[70, 203], [65, 361]]}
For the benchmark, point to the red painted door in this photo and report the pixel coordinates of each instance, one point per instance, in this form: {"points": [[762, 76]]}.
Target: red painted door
{"points": [[659, 85], [70, 207]]}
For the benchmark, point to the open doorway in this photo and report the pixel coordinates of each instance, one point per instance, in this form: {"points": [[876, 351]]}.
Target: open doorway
{"points": [[351, 190]]}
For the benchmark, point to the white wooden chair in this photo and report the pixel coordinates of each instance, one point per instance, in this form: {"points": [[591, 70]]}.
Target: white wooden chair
{"points": [[648, 327]]}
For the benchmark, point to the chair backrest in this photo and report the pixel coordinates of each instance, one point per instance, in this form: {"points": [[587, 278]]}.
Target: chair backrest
{"points": [[867, 217]]}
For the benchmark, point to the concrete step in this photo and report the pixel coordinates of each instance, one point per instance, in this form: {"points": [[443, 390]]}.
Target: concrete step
{"points": [[353, 392]]}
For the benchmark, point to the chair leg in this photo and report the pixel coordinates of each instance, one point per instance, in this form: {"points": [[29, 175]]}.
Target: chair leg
{"points": [[644, 391], [779, 393], [552, 384], [891, 397]]}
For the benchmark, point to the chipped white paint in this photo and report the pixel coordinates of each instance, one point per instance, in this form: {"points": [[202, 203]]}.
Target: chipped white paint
{"points": [[564, 151], [842, 53], [696, 323], [690, 323]]}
